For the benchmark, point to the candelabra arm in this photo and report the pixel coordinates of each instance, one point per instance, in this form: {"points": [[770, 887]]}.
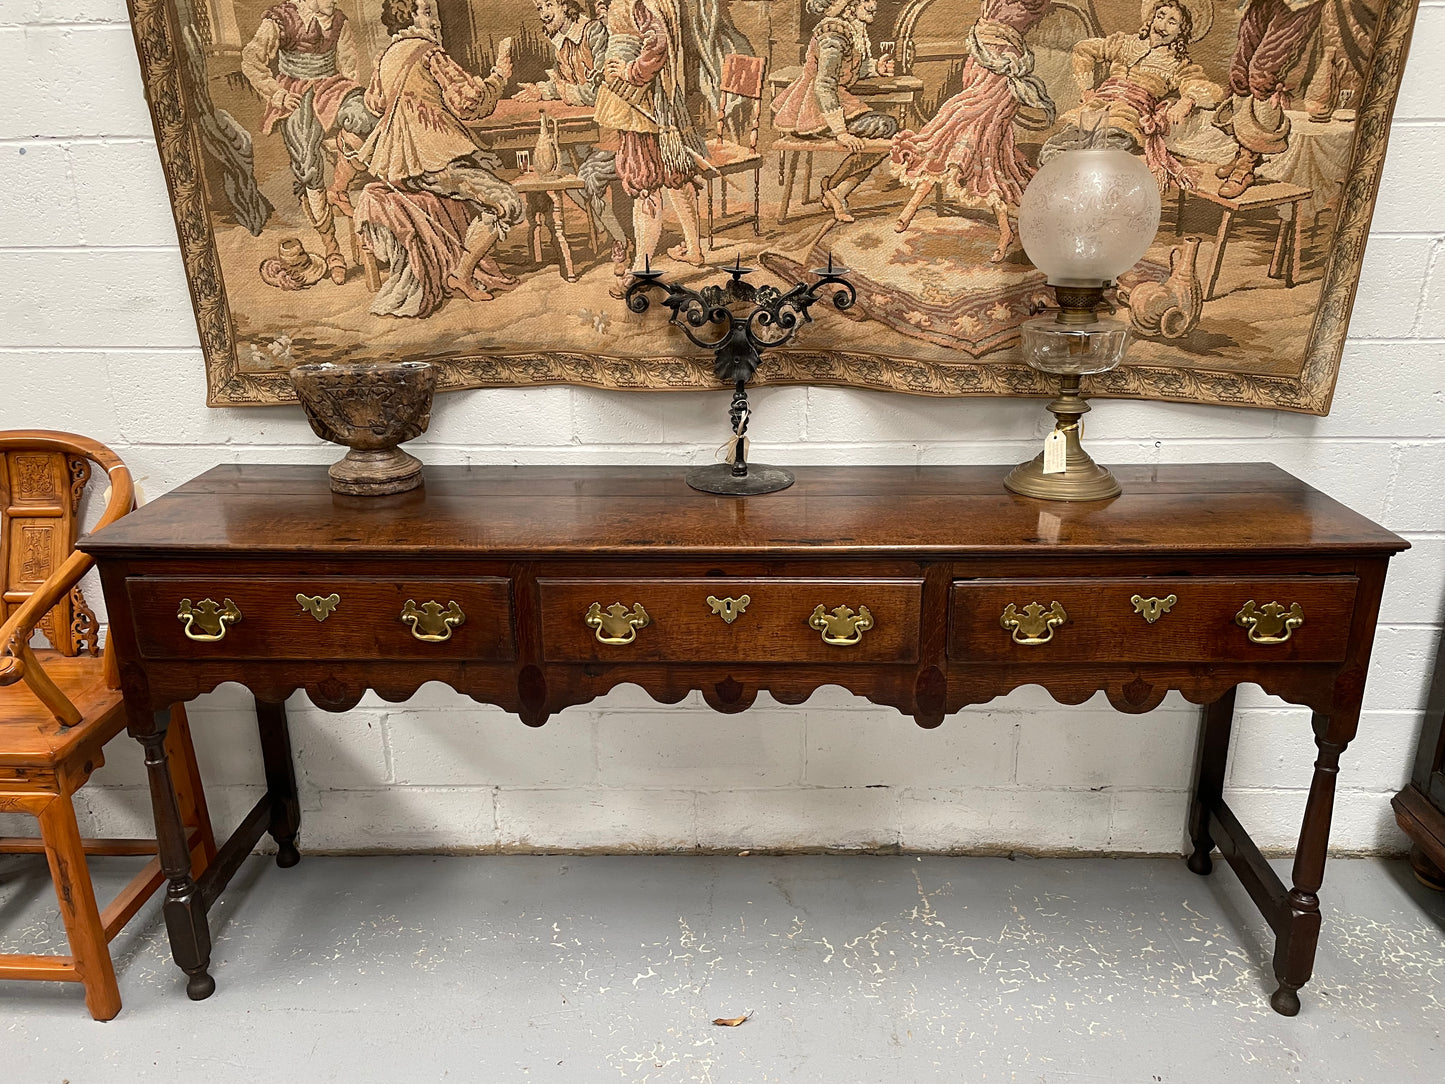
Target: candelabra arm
{"points": [[772, 317], [690, 309]]}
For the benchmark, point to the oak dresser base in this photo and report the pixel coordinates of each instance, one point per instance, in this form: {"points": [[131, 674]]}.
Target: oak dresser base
{"points": [[924, 589]]}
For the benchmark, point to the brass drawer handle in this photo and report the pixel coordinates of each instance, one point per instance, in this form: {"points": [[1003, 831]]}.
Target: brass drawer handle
{"points": [[729, 609], [1152, 609], [318, 607], [618, 625], [1035, 625], [842, 627], [1270, 623], [430, 622], [211, 619]]}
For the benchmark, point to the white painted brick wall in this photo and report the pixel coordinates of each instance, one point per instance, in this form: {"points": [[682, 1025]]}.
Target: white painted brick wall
{"points": [[96, 335]]}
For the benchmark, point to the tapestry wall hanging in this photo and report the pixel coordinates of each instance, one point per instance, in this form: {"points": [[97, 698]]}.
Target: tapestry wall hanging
{"points": [[469, 182]]}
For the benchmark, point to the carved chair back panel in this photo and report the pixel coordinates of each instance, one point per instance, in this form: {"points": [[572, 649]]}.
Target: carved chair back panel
{"points": [[40, 493]]}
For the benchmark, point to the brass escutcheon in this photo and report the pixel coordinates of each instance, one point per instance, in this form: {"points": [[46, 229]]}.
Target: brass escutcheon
{"points": [[210, 618], [430, 622], [842, 627], [1035, 625], [728, 609], [617, 625], [1151, 609], [318, 607], [1270, 623]]}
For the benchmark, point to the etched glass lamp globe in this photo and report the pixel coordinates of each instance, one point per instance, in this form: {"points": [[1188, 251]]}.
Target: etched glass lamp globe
{"points": [[1087, 216]]}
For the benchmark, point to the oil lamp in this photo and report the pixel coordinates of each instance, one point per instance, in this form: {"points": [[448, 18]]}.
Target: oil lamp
{"points": [[1087, 216]]}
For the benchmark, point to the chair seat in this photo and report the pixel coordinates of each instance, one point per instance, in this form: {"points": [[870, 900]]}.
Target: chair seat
{"points": [[31, 736], [731, 155]]}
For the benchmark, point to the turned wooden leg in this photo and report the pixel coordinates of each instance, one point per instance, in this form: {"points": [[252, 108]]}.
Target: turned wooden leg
{"points": [[709, 208], [280, 781], [757, 201], [1299, 932], [190, 792], [559, 237], [184, 909], [68, 870], [1210, 760]]}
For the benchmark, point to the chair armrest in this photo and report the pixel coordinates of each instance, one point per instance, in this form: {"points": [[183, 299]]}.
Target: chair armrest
{"points": [[17, 660]]}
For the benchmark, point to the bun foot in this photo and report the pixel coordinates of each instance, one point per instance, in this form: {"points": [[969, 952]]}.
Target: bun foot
{"points": [[200, 986], [286, 854], [1199, 862], [1285, 1001]]}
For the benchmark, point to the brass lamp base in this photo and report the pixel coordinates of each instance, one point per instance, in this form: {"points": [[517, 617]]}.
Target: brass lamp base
{"points": [[1081, 479]]}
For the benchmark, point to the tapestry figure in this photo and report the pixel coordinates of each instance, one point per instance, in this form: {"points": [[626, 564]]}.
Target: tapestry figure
{"points": [[302, 61], [581, 48], [819, 105], [643, 100], [1273, 35], [1151, 84], [968, 146], [422, 148]]}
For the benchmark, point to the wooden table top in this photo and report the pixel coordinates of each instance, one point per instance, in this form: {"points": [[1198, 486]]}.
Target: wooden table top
{"points": [[511, 113], [854, 511]]}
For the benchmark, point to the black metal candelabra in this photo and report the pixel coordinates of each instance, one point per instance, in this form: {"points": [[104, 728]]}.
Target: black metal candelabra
{"points": [[738, 321]]}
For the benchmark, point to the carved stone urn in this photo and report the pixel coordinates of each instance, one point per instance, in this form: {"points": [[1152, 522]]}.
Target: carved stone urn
{"points": [[370, 408]]}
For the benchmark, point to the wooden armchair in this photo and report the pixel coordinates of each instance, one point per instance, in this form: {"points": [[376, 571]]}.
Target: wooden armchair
{"points": [[60, 705], [741, 85]]}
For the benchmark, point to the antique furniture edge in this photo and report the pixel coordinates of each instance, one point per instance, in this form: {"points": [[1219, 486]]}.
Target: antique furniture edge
{"points": [[203, 528]]}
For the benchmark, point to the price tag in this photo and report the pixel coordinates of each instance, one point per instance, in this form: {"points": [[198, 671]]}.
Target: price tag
{"points": [[1055, 445]]}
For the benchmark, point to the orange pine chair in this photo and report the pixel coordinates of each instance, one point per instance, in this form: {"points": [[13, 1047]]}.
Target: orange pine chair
{"points": [[60, 705]]}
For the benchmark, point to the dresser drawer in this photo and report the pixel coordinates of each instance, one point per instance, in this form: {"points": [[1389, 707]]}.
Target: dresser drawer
{"points": [[770, 620], [1108, 620], [363, 622]]}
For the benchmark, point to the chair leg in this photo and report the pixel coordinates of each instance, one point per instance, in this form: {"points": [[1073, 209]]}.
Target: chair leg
{"points": [[351, 238], [68, 869], [1217, 259], [371, 269], [190, 791], [1280, 256], [757, 201], [783, 205], [709, 209], [1296, 247]]}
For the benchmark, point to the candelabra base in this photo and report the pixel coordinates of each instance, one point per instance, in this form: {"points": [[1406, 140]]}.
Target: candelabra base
{"points": [[719, 478]]}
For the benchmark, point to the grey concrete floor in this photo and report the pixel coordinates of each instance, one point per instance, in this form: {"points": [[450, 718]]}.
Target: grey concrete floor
{"points": [[854, 968]]}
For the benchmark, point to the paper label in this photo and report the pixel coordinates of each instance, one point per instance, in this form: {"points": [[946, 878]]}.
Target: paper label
{"points": [[1055, 445]]}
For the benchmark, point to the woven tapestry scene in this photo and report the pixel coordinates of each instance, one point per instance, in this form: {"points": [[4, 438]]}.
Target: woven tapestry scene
{"points": [[473, 182]]}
